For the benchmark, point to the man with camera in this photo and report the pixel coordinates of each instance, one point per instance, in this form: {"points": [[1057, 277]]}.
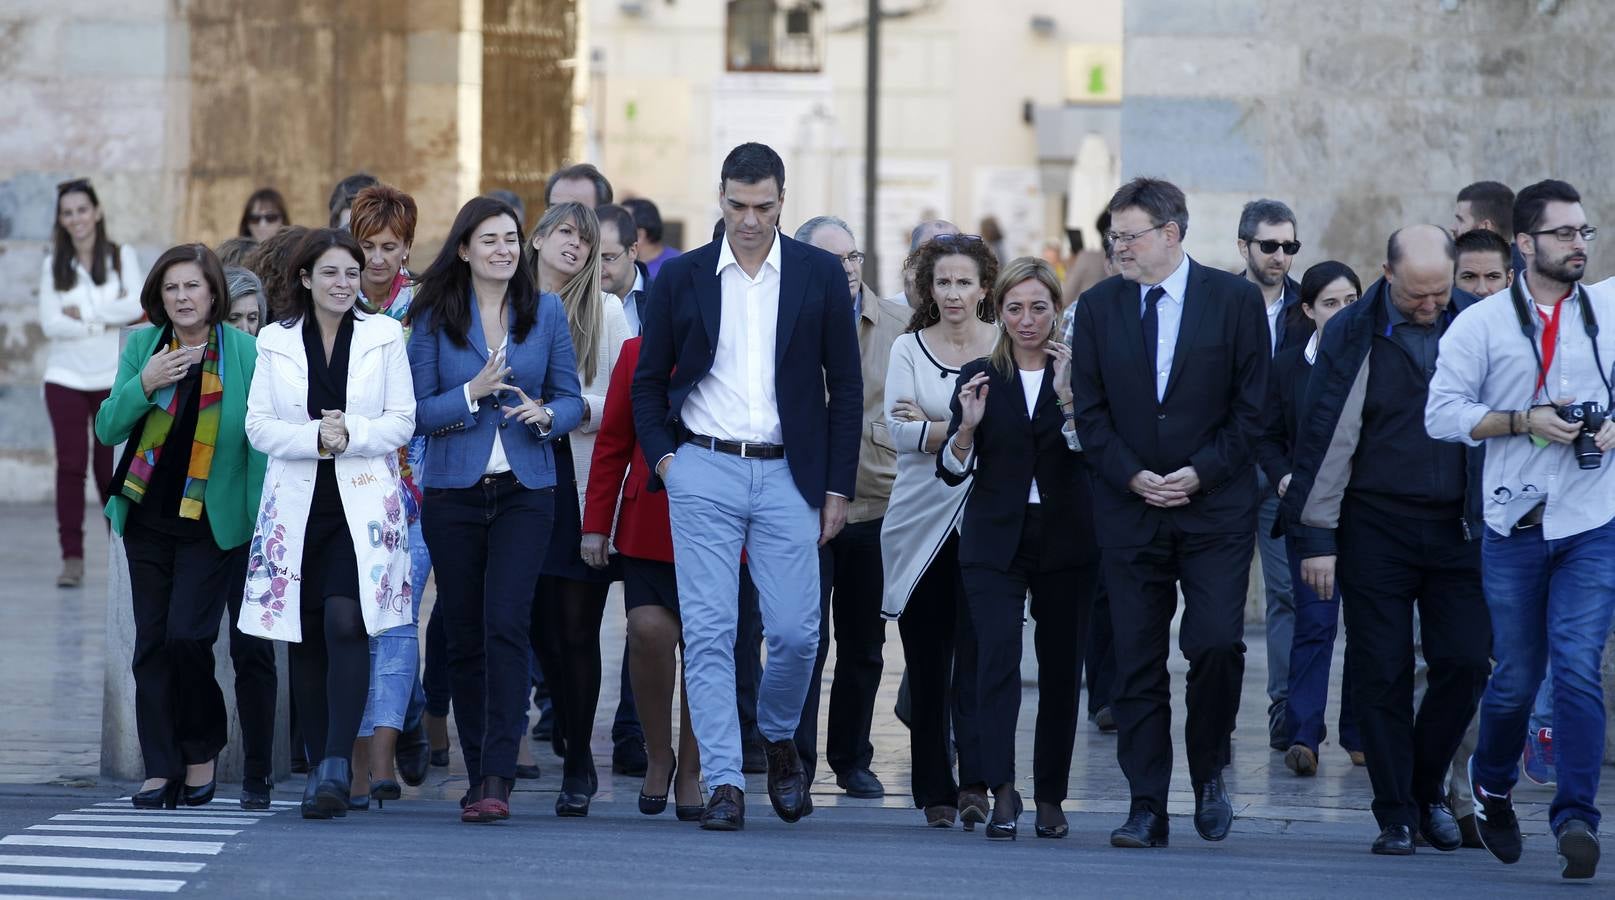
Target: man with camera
{"points": [[1527, 374], [1396, 513]]}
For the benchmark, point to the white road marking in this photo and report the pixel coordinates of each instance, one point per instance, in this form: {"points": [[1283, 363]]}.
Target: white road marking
{"points": [[139, 845], [137, 829], [95, 862], [175, 818], [124, 809], [91, 882]]}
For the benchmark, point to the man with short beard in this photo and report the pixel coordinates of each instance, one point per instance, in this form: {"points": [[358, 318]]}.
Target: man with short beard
{"points": [[1513, 376], [1267, 243]]}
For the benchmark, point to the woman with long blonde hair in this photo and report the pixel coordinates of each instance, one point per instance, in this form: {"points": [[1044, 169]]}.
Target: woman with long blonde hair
{"points": [[571, 595]]}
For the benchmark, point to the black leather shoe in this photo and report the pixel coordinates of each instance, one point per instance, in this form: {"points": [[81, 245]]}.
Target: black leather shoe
{"points": [[311, 805], [726, 811], [202, 794], [1142, 829], [255, 793], [1105, 720], [1213, 812], [861, 783], [165, 797], [753, 761], [413, 756], [1439, 827], [1002, 825], [1578, 849], [334, 779], [1395, 840], [628, 758], [572, 805], [787, 788]]}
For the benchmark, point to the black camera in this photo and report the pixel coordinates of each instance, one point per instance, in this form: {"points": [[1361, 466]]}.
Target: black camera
{"points": [[1590, 416]]}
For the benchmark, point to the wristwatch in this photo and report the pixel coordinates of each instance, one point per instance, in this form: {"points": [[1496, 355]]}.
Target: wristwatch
{"points": [[550, 414]]}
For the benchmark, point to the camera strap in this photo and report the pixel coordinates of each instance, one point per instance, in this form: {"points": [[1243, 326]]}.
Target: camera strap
{"points": [[1527, 316]]}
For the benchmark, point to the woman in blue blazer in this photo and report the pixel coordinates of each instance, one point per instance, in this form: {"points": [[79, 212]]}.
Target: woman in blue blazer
{"points": [[495, 385]]}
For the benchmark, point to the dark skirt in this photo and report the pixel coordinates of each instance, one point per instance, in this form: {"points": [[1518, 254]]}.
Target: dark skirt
{"points": [[330, 568], [564, 559], [649, 582]]}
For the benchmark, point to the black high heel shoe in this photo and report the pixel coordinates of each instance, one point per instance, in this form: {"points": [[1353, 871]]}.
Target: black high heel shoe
{"points": [[165, 797], [256, 792], [383, 790], [1058, 830], [576, 794], [1004, 830], [333, 783], [655, 806], [202, 795]]}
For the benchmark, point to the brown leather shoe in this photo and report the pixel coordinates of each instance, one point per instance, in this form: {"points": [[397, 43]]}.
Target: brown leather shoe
{"points": [[1357, 757], [787, 788], [726, 811], [973, 807], [940, 816], [1301, 760]]}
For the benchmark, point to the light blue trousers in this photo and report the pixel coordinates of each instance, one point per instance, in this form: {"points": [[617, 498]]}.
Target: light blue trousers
{"points": [[718, 505]]}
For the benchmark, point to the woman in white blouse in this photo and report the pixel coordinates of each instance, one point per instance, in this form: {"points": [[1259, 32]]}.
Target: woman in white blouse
{"points": [[919, 538], [571, 595], [88, 289]]}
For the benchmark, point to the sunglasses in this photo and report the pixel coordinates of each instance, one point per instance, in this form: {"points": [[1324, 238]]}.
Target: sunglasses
{"points": [[264, 218], [1290, 248], [957, 238], [72, 184]]}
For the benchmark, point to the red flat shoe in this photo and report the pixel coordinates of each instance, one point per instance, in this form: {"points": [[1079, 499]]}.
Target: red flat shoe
{"points": [[484, 811]]}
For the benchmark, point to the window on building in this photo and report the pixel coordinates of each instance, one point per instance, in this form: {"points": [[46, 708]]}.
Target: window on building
{"points": [[775, 35]]}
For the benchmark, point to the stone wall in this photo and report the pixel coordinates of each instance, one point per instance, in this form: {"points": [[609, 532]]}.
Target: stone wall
{"points": [[1365, 116]]}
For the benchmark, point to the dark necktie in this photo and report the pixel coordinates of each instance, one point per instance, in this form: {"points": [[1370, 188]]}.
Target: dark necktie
{"points": [[1152, 325]]}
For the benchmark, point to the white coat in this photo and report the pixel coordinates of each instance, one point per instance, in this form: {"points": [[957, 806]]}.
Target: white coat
{"points": [[380, 418]]}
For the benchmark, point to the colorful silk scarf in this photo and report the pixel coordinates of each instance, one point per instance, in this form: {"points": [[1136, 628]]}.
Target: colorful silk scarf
{"points": [[167, 404]]}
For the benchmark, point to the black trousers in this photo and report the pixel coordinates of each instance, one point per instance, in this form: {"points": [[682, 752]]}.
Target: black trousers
{"points": [[748, 659], [1214, 571], [1386, 564], [851, 584], [487, 545], [940, 649], [179, 588], [1062, 598], [254, 661], [1100, 660]]}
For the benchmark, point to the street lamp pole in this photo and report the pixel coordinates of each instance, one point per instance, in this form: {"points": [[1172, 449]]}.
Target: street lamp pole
{"points": [[872, 147]]}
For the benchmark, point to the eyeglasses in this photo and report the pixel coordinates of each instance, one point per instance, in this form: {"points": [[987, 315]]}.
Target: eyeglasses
{"points": [[1567, 233], [1290, 248], [855, 257], [264, 218], [1118, 237]]}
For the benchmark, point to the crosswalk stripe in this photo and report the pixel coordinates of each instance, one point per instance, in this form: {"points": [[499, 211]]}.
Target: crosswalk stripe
{"points": [[125, 802], [136, 829], [139, 845], [124, 809], [91, 882], [177, 819], [93, 862]]}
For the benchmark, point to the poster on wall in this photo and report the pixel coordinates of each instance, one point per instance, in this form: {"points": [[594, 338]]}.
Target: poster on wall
{"points": [[909, 191]]}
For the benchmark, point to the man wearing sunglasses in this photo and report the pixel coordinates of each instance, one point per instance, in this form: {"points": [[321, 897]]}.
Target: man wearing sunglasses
{"points": [[1508, 374], [1267, 243]]}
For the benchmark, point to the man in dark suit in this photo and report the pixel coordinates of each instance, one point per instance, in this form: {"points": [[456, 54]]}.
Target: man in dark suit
{"points": [[1169, 371], [748, 401]]}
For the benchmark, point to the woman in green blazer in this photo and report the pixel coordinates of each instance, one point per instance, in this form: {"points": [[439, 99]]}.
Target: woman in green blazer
{"points": [[183, 498]]}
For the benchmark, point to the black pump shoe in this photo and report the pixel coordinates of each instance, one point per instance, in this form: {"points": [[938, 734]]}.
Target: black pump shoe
{"points": [[334, 782], [202, 794], [655, 806], [1004, 829], [383, 790], [573, 805], [165, 797]]}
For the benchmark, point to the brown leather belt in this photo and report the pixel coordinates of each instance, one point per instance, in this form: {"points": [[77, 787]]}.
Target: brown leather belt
{"points": [[742, 449]]}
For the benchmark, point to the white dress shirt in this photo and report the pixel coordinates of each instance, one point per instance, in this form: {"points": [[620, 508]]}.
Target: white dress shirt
{"points": [[736, 400], [1169, 313], [630, 303], [1031, 383], [1273, 310], [497, 463]]}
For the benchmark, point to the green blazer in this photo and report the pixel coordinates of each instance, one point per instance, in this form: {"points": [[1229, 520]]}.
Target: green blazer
{"points": [[236, 479]]}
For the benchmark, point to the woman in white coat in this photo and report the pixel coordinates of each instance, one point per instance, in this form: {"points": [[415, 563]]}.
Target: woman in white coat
{"points": [[331, 402]]}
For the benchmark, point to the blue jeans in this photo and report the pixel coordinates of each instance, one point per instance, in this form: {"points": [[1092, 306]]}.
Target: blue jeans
{"points": [[719, 504], [1550, 601], [1316, 623], [396, 699], [1278, 580]]}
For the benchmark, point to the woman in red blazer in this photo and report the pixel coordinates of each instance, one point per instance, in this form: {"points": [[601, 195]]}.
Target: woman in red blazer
{"points": [[650, 591]]}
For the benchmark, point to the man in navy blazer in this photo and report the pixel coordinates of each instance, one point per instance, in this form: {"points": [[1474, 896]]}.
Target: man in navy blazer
{"points": [[1169, 373], [748, 401]]}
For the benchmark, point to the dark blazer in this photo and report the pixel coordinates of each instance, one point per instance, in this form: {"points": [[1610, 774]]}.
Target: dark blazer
{"points": [[1295, 329], [817, 379], [1210, 417], [1010, 449], [459, 438], [1286, 390]]}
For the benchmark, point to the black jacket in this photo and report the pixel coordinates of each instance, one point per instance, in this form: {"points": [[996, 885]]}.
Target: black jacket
{"points": [[1334, 426], [1210, 416], [1010, 449], [1286, 390], [818, 378]]}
